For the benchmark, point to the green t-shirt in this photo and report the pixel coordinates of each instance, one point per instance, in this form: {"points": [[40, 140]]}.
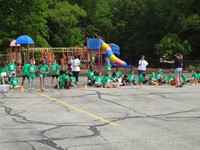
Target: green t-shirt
{"points": [[98, 79], [106, 80], [140, 79], [42, 69], [159, 74], [0, 79], [26, 69], [112, 78], [108, 68], [3, 69], [55, 69], [13, 81], [73, 80], [151, 77], [63, 79], [184, 78], [119, 74], [32, 70], [11, 67], [90, 74], [131, 77], [171, 78], [195, 75]]}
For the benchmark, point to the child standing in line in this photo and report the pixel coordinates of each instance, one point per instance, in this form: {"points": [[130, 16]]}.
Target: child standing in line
{"points": [[14, 81], [3, 70], [55, 73], [32, 75], [25, 70], [11, 68], [43, 71]]}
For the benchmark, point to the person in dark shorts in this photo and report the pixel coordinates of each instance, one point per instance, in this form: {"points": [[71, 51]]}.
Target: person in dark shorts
{"points": [[25, 74], [178, 68]]}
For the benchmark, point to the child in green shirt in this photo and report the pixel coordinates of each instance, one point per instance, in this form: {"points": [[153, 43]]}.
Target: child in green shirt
{"points": [[55, 72], [72, 81], [98, 80], [153, 79], [3, 71], [131, 77], [142, 78], [14, 81], [90, 76], [43, 71], [11, 68], [160, 76], [32, 70], [25, 74], [171, 80], [64, 80], [108, 67]]}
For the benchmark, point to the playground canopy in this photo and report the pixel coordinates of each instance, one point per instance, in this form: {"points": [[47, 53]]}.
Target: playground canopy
{"points": [[24, 39]]}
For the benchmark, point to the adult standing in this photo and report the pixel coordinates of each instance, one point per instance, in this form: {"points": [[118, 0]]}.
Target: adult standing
{"points": [[178, 68], [142, 65], [75, 66]]}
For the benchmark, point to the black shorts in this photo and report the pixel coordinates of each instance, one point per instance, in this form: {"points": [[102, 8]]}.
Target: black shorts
{"points": [[25, 76], [53, 76]]}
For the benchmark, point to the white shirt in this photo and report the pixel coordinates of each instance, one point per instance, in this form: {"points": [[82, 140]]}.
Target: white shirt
{"points": [[74, 64], [142, 65]]}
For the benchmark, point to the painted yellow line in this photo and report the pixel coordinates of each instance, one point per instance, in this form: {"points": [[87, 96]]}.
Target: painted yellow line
{"points": [[78, 109]]}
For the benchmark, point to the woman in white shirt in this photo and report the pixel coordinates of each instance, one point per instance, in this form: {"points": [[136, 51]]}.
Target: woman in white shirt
{"points": [[142, 65], [75, 66]]}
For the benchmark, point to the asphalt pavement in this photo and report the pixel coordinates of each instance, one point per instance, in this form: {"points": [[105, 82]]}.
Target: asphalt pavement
{"points": [[126, 118]]}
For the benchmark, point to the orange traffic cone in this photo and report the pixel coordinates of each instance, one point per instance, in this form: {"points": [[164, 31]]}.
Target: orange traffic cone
{"points": [[141, 85], [118, 86], [85, 86], [21, 88], [156, 84]]}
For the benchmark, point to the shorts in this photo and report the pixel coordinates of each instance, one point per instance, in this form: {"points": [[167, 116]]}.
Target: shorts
{"points": [[42, 76], [53, 76], [3, 74], [178, 72], [25, 76], [11, 73]]}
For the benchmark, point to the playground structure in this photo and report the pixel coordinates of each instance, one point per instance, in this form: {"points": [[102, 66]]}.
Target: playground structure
{"points": [[99, 44]]}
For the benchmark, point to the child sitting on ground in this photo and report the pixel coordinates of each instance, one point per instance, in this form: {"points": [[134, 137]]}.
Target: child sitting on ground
{"points": [[161, 78], [171, 80], [90, 76], [14, 81], [195, 76], [98, 80], [184, 78], [119, 75], [142, 78], [64, 80], [153, 79], [72, 81], [131, 77]]}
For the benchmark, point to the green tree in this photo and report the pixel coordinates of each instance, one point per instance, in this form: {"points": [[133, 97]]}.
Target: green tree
{"points": [[171, 44], [63, 20]]}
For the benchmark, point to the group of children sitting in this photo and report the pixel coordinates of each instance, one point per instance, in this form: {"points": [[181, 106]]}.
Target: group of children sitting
{"points": [[109, 80], [116, 78], [159, 78]]}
